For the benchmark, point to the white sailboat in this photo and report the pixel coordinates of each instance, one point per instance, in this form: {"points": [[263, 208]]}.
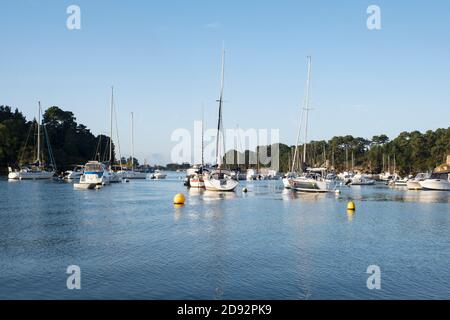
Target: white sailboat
{"points": [[310, 181], [133, 173], [35, 171], [114, 177], [220, 180]]}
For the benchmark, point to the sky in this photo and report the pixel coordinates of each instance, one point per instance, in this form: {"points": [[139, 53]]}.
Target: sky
{"points": [[163, 59]]}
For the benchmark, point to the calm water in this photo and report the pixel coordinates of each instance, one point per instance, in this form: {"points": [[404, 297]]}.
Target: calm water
{"points": [[132, 243]]}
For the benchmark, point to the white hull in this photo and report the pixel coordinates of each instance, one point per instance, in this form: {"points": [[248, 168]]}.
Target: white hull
{"points": [[436, 184], [136, 175], [73, 175], [25, 175], [226, 185], [197, 182], [312, 185], [363, 183], [414, 185], [86, 186], [286, 183], [157, 176]]}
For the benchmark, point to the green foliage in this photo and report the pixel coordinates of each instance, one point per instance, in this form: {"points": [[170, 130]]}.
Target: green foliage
{"points": [[413, 152], [72, 143]]}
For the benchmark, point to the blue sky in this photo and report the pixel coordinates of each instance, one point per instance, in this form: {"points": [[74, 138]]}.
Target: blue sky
{"points": [[163, 58]]}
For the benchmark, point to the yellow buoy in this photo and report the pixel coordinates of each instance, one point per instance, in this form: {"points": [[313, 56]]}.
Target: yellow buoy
{"points": [[179, 199], [351, 206]]}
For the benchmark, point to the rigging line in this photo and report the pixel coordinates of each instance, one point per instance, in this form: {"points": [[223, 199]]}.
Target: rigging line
{"points": [[105, 152], [300, 127], [49, 148], [117, 134], [97, 152], [26, 143]]}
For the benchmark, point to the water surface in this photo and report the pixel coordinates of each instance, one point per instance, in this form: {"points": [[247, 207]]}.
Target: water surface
{"points": [[132, 243]]}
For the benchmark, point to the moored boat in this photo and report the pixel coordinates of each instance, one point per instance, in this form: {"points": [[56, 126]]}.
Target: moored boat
{"points": [[361, 180], [414, 184], [95, 174], [219, 179], [439, 179], [36, 170]]}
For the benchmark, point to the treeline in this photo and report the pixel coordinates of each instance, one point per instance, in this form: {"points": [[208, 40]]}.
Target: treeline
{"points": [[71, 143], [408, 153]]}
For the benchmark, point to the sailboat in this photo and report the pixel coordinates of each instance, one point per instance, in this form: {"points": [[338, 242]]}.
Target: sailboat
{"points": [[310, 181], [220, 180], [134, 174], [114, 177], [35, 171]]}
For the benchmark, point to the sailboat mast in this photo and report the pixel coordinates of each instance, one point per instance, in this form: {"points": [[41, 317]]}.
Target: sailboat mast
{"points": [[39, 135], [132, 142], [203, 119], [219, 122], [111, 127], [308, 84]]}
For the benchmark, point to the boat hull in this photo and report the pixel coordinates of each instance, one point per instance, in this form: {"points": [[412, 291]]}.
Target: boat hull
{"points": [[197, 182], [414, 185], [41, 175], [286, 183], [225, 185], [312, 186], [436, 184], [86, 186]]}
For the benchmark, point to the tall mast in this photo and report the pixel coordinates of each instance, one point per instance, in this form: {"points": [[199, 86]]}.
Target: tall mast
{"points": [[39, 135], [394, 163], [219, 122], [346, 158], [308, 84], [132, 142], [111, 127], [353, 161], [203, 119]]}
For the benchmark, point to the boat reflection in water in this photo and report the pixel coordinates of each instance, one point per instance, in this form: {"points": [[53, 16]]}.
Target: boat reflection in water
{"points": [[218, 195]]}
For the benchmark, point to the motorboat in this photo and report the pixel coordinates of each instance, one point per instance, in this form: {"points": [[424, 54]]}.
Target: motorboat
{"points": [[398, 181], [439, 181], [414, 184], [157, 175], [194, 176], [385, 176], [361, 180], [75, 173], [95, 174]]}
